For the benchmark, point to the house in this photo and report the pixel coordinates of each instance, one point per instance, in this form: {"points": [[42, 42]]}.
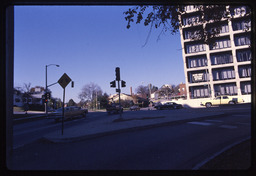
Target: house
{"points": [[169, 92], [134, 99], [34, 96], [17, 98], [115, 97]]}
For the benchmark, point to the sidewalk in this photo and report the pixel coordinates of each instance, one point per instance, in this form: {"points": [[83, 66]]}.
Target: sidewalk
{"points": [[114, 124]]}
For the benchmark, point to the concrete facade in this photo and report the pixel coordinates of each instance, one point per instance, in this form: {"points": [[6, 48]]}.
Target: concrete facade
{"points": [[223, 68]]}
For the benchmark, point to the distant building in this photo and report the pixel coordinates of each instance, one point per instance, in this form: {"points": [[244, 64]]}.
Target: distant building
{"points": [[182, 90], [176, 94], [34, 96], [36, 93], [17, 98], [221, 68], [115, 97]]}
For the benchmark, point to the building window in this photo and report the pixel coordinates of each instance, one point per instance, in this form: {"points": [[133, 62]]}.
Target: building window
{"points": [[191, 20], [222, 28], [223, 74], [221, 58], [245, 88], [243, 55], [198, 76], [196, 61], [225, 89], [192, 34], [190, 7], [200, 91], [242, 40], [241, 24], [194, 48], [244, 71], [238, 10], [221, 43]]}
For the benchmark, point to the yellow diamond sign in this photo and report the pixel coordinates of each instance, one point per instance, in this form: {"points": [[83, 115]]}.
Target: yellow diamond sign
{"points": [[64, 80]]}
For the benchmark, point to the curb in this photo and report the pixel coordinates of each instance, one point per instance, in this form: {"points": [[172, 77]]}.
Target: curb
{"points": [[101, 134], [26, 119], [209, 159]]}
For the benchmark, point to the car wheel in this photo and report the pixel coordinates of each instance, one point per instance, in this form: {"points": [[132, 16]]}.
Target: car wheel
{"points": [[231, 102], [208, 105]]}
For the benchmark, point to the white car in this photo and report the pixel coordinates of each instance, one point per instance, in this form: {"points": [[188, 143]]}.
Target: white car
{"points": [[221, 100]]}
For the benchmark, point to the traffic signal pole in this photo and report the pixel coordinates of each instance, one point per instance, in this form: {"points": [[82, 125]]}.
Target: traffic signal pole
{"points": [[119, 90], [63, 106], [113, 84]]}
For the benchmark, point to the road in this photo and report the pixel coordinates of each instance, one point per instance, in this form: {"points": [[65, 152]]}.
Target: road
{"points": [[178, 147], [28, 132]]}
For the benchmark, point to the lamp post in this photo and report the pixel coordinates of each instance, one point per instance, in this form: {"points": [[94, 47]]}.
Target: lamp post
{"points": [[46, 87]]}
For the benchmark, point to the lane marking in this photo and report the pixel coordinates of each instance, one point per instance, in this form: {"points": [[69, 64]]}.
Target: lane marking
{"points": [[200, 123], [228, 126]]}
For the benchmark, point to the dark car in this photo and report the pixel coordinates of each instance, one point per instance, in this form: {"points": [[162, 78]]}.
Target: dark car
{"points": [[169, 105], [114, 108], [134, 108]]}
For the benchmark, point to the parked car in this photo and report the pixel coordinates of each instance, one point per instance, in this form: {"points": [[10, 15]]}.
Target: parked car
{"points": [[69, 113], [221, 100], [168, 105], [114, 108], [135, 108]]}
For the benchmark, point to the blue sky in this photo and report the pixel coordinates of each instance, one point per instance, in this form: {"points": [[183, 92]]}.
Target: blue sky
{"points": [[88, 42]]}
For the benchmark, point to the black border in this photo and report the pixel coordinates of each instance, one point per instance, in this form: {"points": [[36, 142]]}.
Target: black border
{"points": [[6, 65]]}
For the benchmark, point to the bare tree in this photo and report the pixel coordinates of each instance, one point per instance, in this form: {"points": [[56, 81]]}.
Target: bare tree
{"points": [[90, 92], [26, 87], [142, 90]]}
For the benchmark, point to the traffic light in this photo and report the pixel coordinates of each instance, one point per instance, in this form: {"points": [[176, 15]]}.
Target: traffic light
{"points": [[113, 83], [44, 100], [48, 95], [117, 73], [123, 83]]}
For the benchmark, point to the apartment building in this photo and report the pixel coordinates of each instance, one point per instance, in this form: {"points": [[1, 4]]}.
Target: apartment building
{"points": [[220, 68]]}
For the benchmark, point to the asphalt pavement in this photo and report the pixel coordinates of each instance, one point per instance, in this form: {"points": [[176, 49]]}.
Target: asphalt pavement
{"points": [[117, 123], [126, 121]]}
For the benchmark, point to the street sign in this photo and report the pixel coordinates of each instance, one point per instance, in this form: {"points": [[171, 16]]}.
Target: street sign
{"points": [[64, 80]]}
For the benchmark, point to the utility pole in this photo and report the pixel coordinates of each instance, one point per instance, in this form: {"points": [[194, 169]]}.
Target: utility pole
{"points": [[46, 87]]}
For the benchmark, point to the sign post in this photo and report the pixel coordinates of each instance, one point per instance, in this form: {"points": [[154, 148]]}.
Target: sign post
{"points": [[63, 81]]}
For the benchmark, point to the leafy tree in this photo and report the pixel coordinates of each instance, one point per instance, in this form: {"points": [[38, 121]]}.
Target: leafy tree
{"points": [[103, 99], [71, 102], [58, 103], [168, 17]]}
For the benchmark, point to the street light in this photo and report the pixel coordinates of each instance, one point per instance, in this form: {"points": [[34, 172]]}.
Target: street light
{"points": [[46, 87]]}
